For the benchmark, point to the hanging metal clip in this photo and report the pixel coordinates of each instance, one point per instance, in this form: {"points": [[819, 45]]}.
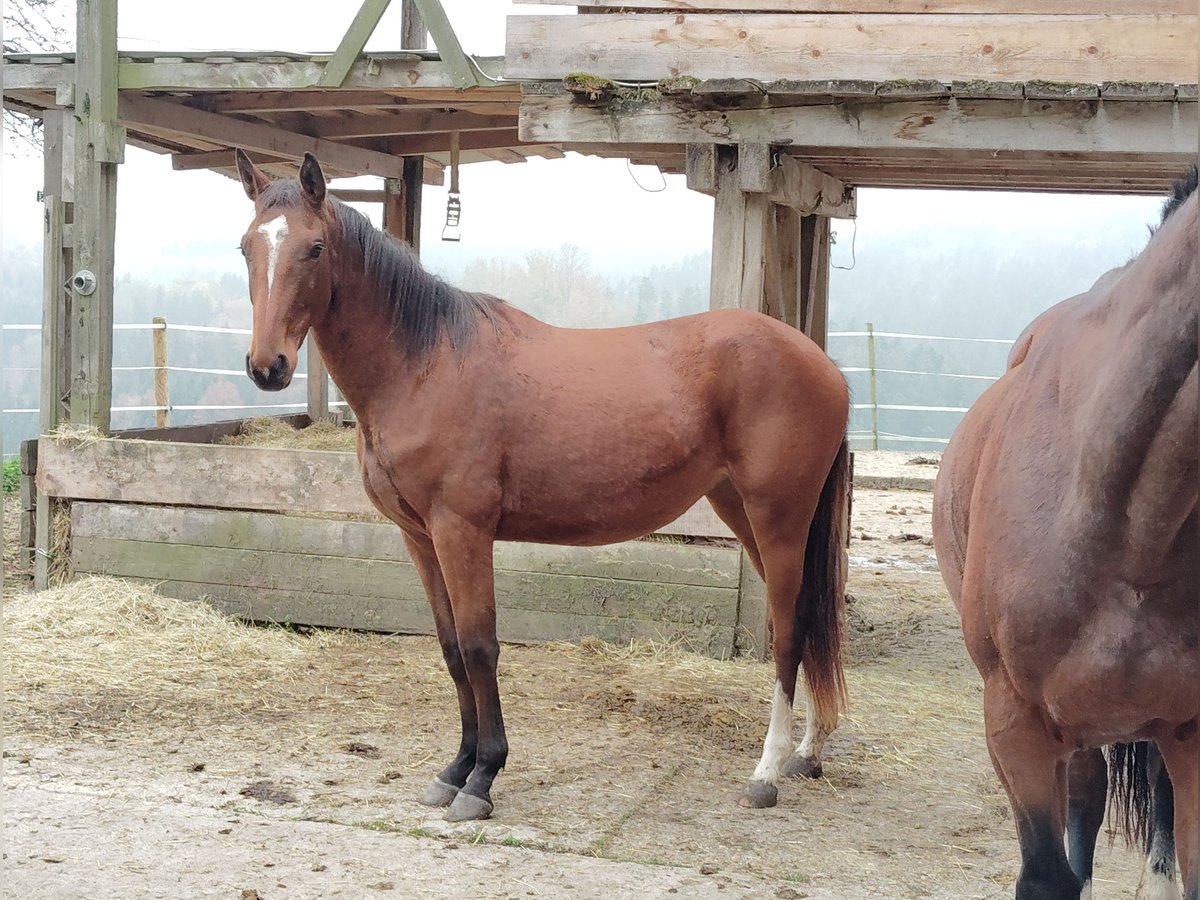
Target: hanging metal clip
{"points": [[452, 231]]}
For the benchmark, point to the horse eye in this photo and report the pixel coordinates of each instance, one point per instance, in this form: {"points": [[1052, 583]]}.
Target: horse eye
{"points": [[315, 251], [242, 249]]}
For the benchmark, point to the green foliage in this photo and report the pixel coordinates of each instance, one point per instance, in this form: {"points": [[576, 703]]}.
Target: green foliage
{"points": [[12, 476]]}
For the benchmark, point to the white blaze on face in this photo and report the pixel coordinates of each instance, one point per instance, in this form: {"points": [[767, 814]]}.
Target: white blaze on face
{"points": [[274, 231], [778, 745]]}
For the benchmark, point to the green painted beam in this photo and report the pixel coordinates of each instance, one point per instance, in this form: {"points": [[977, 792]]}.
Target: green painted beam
{"points": [[356, 37], [446, 42]]}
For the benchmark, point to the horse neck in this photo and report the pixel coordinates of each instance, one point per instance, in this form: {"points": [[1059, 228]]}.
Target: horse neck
{"points": [[1140, 456], [357, 342]]}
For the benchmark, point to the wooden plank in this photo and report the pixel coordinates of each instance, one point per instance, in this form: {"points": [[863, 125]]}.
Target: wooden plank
{"points": [[434, 142], [226, 130], [1144, 130], [56, 332], [753, 637], [974, 7], [754, 168], [656, 561], [417, 122], [162, 396], [412, 616], [272, 480], [782, 282], [702, 168], [99, 148], [208, 433], [386, 580], [385, 74], [647, 47], [810, 191], [446, 42], [224, 159], [362, 26]]}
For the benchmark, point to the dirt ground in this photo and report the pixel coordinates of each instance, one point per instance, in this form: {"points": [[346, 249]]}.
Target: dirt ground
{"points": [[295, 774]]}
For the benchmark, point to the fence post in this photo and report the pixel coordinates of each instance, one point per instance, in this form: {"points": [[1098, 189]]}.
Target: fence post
{"points": [[162, 397], [874, 389]]}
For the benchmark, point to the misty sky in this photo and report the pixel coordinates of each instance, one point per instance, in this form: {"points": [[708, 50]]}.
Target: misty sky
{"points": [[625, 217]]}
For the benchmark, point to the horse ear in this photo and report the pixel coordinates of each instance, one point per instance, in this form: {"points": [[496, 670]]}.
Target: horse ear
{"points": [[312, 179], [254, 180]]}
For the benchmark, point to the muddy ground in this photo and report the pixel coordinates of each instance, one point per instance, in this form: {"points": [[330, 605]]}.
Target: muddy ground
{"points": [[297, 778]]}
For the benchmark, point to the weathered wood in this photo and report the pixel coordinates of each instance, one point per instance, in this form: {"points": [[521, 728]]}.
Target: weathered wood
{"points": [[27, 525], [814, 280], [782, 280], [974, 7], [56, 331], [754, 168], [413, 35], [648, 47], [702, 168], [1124, 90], [362, 26], [434, 142], [1050, 90], [380, 73], [1134, 131], [810, 191], [208, 433], [170, 117], [753, 636], [658, 561], [402, 203], [271, 480], [317, 383], [162, 394], [224, 159], [740, 223], [418, 122], [446, 42], [99, 148]]}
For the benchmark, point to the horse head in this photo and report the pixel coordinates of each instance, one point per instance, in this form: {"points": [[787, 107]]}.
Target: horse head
{"points": [[290, 267]]}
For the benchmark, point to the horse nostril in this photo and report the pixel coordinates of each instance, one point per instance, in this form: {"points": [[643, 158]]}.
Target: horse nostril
{"points": [[280, 366]]}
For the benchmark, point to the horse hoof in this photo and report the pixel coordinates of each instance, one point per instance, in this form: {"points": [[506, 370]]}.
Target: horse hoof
{"points": [[467, 807], [758, 795], [439, 793], [803, 767]]}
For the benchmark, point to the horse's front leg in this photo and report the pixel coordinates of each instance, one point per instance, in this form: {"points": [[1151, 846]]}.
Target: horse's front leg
{"points": [[449, 782], [465, 553]]}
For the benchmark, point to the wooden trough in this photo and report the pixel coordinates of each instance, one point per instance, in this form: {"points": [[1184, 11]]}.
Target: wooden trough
{"points": [[286, 535]]}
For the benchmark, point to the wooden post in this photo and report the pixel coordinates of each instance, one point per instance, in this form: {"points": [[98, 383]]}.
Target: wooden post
{"points": [[402, 203], [162, 396], [741, 224], [99, 148], [814, 284], [318, 382], [28, 488], [874, 391], [58, 192], [412, 27]]}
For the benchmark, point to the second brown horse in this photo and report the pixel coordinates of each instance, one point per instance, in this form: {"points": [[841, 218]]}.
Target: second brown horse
{"points": [[478, 423]]}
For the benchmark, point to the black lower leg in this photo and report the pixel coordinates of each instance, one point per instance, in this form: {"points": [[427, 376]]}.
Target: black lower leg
{"points": [[1160, 843], [491, 751], [1087, 793], [1045, 873], [460, 768]]}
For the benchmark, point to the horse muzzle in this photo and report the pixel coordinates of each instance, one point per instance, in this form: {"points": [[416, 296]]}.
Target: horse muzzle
{"points": [[274, 377]]}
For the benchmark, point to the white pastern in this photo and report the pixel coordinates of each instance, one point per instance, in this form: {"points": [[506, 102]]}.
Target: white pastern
{"points": [[778, 745], [1086, 893], [274, 230], [815, 731], [1157, 886]]}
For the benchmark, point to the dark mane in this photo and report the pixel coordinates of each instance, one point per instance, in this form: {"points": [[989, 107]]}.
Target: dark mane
{"points": [[1180, 191], [422, 307]]}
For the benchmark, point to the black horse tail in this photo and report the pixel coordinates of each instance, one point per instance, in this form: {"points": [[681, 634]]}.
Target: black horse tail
{"points": [[1130, 801], [821, 610]]}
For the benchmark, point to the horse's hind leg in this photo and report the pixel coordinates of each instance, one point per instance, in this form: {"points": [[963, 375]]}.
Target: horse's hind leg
{"points": [[1158, 876], [1181, 753], [1087, 791], [449, 781], [1031, 765]]}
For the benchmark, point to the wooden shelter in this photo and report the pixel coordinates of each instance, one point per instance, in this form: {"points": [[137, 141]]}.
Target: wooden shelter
{"points": [[779, 109]]}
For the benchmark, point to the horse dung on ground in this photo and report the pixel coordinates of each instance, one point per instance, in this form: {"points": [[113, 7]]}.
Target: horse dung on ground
{"points": [[1065, 523], [478, 423]]}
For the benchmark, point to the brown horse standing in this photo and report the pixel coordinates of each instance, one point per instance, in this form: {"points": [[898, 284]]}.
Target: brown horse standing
{"points": [[1065, 521], [477, 423]]}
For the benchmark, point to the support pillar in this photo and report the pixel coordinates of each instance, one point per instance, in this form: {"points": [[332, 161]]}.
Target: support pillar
{"points": [[99, 149], [814, 281]]}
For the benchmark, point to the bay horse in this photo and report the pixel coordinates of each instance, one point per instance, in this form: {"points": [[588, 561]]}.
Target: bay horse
{"points": [[1065, 524], [478, 423]]}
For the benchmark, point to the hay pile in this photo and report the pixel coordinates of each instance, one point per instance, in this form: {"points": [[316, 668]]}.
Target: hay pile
{"points": [[98, 652], [269, 432]]}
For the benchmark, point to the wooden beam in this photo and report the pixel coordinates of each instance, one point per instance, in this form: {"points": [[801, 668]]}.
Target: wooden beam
{"points": [[741, 224], [99, 148], [1147, 130], [437, 142], [386, 74], [362, 26], [402, 204], [701, 168], [446, 41], [647, 47], [810, 191], [416, 122], [317, 382], [975, 7], [171, 117], [413, 35]]}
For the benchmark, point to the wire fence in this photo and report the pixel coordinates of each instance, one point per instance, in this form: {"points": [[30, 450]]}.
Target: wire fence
{"points": [[874, 436]]}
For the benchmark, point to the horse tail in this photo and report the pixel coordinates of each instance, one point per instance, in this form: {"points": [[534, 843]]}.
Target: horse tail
{"points": [[1130, 802], [821, 609]]}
